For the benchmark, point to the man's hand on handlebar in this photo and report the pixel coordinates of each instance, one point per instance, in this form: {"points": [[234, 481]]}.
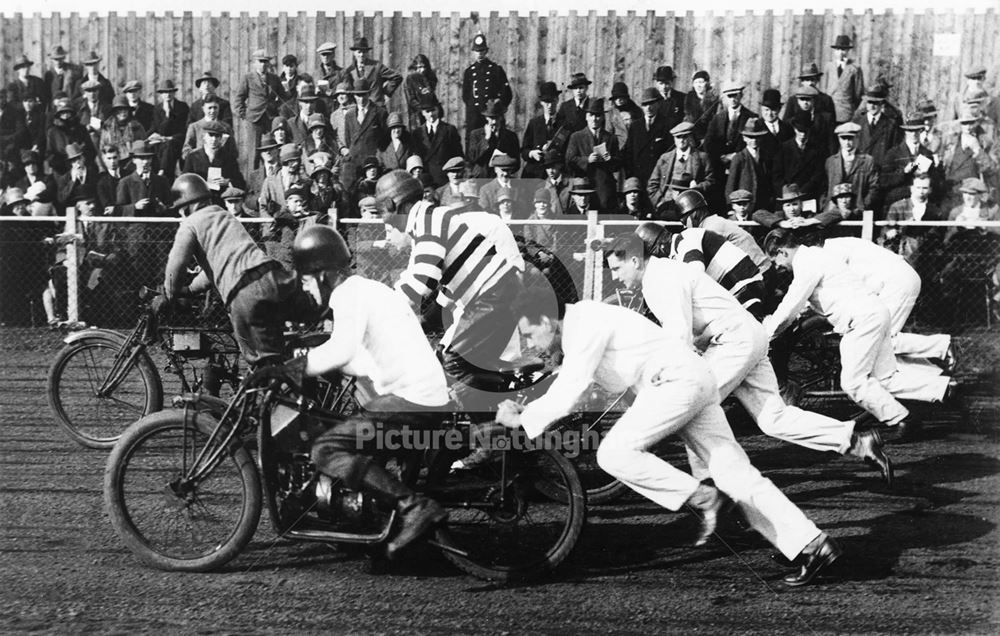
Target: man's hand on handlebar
{"points": [[509, 414], [292, 373]]}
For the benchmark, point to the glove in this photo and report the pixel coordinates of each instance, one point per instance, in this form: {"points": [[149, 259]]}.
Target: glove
{"points": [[292, 373]]}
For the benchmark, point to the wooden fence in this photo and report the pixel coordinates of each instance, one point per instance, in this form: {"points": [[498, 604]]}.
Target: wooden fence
{"points": [[765, 50]]}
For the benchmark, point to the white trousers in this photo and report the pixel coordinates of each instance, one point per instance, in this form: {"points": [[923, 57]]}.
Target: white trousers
{"points": [[899, 297], [686, 402]]}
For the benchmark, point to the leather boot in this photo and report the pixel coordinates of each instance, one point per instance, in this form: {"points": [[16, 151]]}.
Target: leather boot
{"points": [[868, 446], [817, 556], [706, 502], [418, 514]]}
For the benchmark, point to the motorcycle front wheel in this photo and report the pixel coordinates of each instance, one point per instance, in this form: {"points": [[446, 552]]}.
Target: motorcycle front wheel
{"points": [[167, 520]]}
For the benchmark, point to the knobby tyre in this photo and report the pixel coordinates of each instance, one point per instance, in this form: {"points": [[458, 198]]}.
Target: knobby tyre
{"points": [[75, 378], [167, 523]]}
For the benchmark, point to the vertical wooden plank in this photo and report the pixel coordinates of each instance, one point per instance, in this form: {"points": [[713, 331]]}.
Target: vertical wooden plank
{"points": [[765, 35], [532, 69]]}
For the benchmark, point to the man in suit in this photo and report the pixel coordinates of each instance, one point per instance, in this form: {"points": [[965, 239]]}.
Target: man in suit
{"points": [[212, 163], [91, 112], [207, 85], [556, 183], [845, 82], [195, 134], [64, 76], [571, 112], [493, 137], [328, 71], [34, 122], [80, 176], [851, 166], [168, 129], [821, 124], [906, 159], [671, 107], [622, 114], [436, 141], [108, 180], [66, 130], [968, 153], [681, 168], [12, 130], [539, 132], [289, 75], [777, 131], [299, 124], [27, 84], [142, 111], [909, 242], [450, 193], [584, 160], [92, 73], [810, 77], [145, 194], [504, 166], [701, 103], [483, 81], [382, 80], [722, 138], [259, 95], [750, 170], [269, 166], [364, 131], [800, 161], [879, 132], [650, 136]]}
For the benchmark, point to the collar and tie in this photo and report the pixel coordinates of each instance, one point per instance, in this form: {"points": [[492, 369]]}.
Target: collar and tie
{"points": [[431, 128], [873, 120], [682, 157]]}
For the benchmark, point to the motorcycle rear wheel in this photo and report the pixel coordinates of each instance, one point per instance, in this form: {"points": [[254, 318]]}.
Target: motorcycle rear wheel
{"points": [[167, 523]]}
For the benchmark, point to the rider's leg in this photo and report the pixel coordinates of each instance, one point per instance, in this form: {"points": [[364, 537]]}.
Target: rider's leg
{"points": [[866, 360], [899, 298]]}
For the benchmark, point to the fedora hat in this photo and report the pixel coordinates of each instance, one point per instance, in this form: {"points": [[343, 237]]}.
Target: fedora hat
{"points": [[361, 44], [876, 94], [92, 58], [664, 74], [578, 79], [361, 87], [166, 86], [650, 95], [207, 77], [596, 106], [22, 62], [479, 43], [552, 158], [549, 92], [267, 142], [790, 192], [289, 152], [120, 103], [141, 148], [581, 185], [772, 99], [260, 54], [73, 150], [326, 47], [395, 120], [316, 120], [494, 109], [914, 121], [58, 53], [843, 190], [810, 70], [754, 128], [842, 42], [455, 164], [307, 94]]}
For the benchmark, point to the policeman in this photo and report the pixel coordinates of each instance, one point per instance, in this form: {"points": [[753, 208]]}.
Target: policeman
{"points": [[483, 80]]}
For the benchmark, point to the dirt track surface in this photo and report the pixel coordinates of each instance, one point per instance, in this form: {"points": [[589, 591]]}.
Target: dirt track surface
{"points": [[921, 559]]}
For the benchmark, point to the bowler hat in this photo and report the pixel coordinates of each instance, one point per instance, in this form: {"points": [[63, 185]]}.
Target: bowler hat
{"points": [[806, 92], [132, 85], [429, 101], [232, 193], [469, 189], [847, 129], [290, 60], [754, 128], [740, 196], [809, 71], [650, 95], [455, 164], [732, 86], [307, 94], [92, 58], [326, 47], [494, 109], [578, 79], [664, 74], [549, 92], [58, 53], [260, 54], [414, 161], [596, 106], [214, 127], [22, 62], [166, 86], [502, 160], [632, 184], [73, 150], [977, 72], [914, 121], [361, 87], [682, 129], [289, 152], [771, 98], [360, 44], [479, 43], [267, 142], [316, 120], [581, 185], [842, 42], [619, 90], [120, 102], [843, 190], [973, 185], [207, 77], [394, 120], [790, 192]]}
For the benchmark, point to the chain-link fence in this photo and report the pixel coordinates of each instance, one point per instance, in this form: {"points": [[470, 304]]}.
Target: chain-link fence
{"points": [[88, 271]]}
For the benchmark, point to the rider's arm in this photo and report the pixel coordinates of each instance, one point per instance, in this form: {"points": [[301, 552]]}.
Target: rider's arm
{"points": [[423, 273], [583, 346], [807, 274], [667, 289], [185, 244], [348, 332]]}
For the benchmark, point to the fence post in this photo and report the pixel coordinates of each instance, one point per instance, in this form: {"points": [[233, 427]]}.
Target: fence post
{"points": [[868, 225], [591, 247], [72, 271]]}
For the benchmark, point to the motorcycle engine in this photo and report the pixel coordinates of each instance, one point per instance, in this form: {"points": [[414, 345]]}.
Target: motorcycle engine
{"points": [[336, 503]]}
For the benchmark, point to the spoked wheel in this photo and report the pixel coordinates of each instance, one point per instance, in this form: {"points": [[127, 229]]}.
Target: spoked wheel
{"points": [[582, 434], [168, 520], [500, 526], [94, 396]]}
